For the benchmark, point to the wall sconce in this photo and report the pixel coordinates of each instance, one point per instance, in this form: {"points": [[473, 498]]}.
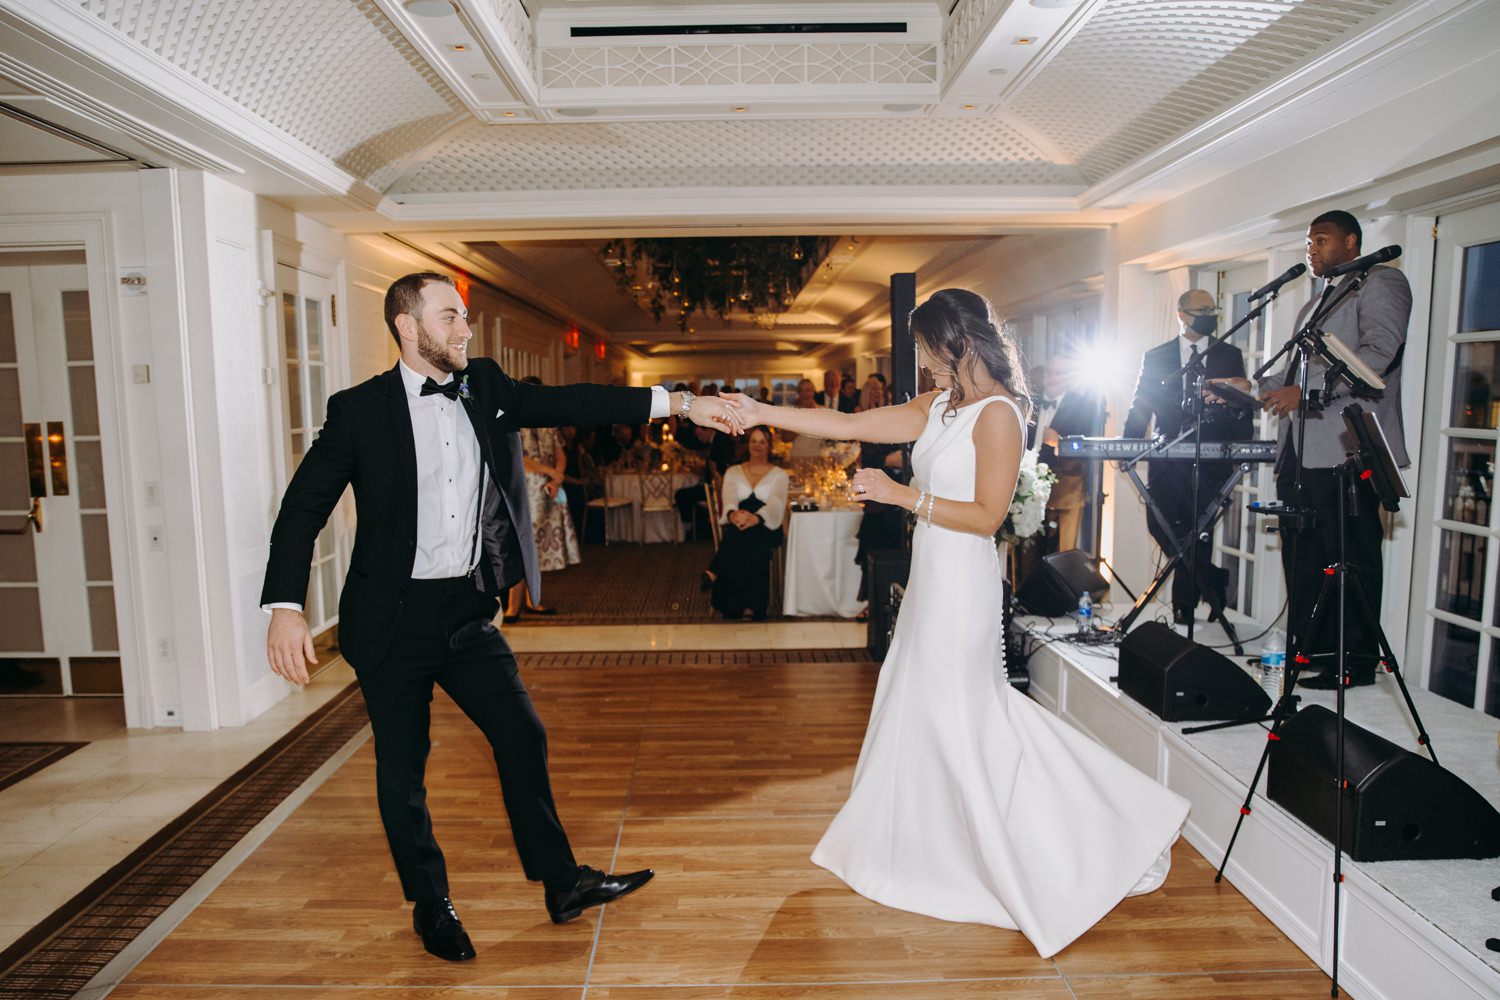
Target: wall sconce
{"points": [[600, 349]]}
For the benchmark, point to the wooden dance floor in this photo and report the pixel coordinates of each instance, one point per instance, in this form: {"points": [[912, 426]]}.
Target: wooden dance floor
{"points": [[720, 776]]}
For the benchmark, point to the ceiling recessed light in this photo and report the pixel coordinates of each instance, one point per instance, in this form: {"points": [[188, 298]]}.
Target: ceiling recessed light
{"points": [[902, 107], [480, 76], [1024, 40], [428, 8], [739, 108], [459, 48], [999, 71], [968, 107]]}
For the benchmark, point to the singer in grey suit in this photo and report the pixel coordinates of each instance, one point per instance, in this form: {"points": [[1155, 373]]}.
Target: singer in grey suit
{"points": [[1371, 322]]}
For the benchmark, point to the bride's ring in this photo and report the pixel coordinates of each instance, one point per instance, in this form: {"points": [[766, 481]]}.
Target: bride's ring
{"points": [[859, 488]]}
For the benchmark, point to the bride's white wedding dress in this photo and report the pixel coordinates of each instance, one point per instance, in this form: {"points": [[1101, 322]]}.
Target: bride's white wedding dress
{"points": [[971, 802]]}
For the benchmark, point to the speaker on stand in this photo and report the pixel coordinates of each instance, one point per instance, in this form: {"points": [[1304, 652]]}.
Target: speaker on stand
{"points": [[1054, 586]]}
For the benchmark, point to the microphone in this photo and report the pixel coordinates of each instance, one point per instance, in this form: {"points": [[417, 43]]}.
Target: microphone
{"points": [[1364, 263], [1274, 285]]}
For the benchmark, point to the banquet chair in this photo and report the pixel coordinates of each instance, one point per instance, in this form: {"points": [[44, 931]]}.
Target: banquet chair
{"points": [[778, 562], [598, 497], [658, 500], [712, 505]]}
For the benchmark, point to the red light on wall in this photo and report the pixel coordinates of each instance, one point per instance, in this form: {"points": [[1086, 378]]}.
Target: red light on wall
{"points": [[461, 284], [600, 349], [570, 337]]}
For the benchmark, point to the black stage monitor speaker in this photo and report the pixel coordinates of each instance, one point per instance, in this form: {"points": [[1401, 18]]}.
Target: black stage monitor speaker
{"points": [[1182, 681], [1053, 588], [1398, 806]]}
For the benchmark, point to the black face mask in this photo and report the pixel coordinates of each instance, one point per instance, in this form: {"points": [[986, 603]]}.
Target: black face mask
{"points": [[1204, 326]]}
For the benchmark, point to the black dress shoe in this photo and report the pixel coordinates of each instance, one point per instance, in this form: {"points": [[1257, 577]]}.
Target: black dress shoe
{"points": [[1328, 680], [442, 933], [592, 888]]}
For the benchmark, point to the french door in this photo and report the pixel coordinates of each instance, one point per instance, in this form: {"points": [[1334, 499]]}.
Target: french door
{"points": [[1458, 541], [57, 597]]}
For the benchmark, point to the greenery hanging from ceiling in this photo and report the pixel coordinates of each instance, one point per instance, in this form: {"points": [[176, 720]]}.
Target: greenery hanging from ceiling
{"points": [[717, 275]]}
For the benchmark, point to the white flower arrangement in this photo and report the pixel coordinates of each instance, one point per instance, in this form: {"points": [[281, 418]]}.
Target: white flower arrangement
{"points": [[1027, 517]]}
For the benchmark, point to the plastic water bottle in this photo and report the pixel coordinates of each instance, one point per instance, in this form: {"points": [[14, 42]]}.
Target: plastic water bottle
{"points": [[1085, 614], [1273, 664]]}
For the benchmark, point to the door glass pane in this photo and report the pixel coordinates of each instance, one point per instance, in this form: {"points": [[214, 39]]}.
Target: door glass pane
{"points": [[1455, 662], [1232, 566], [312, 310], [1479, 302], [15, 485], [1248, 604], [89, 472], [294, 393], [296, 448], [85, 400], [315, 400], [1492, 696], [76, 330], [1476, 385], [17, 554], [96, 565], [1460, 576], [10, 402], [7, 330], [102, 619], [21, 611], [289, 323], [1471, 481], [330, 586]]}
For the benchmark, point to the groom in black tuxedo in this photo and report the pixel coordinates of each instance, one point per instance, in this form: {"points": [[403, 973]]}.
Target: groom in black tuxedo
{"points": [[444, 528]]}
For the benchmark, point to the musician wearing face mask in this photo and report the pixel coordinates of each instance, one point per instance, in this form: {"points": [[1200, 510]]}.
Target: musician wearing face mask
{"points": [[1160, 400]]}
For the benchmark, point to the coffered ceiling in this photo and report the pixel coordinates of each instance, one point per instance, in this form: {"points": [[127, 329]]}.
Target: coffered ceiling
{"points": [[474, 127]]}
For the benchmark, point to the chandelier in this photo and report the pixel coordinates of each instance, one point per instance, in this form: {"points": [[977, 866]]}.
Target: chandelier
{"points": [[758, 275]]}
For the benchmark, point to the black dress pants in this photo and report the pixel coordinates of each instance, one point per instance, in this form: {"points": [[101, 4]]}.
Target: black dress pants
{"points": [[445, 637], [1171, 487], [742, 571], [1304, 558]]}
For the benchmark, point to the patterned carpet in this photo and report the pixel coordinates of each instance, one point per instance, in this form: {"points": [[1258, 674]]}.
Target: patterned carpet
{"points": [[626, 583], [20, 760]]}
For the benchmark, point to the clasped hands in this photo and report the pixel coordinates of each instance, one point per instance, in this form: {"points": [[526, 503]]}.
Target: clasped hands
{"points": [[743, 519], [718, 413]]}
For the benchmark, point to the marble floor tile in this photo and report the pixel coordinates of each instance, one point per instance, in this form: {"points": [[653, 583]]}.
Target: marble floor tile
{"points": [[33, 891]]}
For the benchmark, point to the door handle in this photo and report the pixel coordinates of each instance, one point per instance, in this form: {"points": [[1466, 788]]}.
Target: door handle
{"points": [[33, 520]]}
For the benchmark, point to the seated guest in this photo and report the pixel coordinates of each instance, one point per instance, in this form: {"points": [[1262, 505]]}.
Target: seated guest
{"points": [[873, 394], [754, 502], [806, 445], [577, 442], [609, 447]]}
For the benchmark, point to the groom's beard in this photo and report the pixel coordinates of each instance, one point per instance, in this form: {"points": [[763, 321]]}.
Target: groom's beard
{"points": [[436, 353]]}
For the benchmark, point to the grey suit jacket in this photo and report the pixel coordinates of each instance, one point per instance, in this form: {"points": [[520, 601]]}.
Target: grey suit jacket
{"points": [[1372, 321]]}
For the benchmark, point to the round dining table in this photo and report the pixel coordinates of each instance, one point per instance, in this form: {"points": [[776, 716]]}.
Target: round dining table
{"points": [[822, 577]]}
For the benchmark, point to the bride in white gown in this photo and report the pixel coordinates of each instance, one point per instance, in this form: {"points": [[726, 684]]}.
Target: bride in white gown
{"points": [[970, 802]]}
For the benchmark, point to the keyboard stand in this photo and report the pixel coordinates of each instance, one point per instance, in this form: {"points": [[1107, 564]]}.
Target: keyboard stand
{"points": [[1176, 557]]}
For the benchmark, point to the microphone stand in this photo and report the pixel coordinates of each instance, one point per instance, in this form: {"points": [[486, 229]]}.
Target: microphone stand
{"points": [[1309, 343]]}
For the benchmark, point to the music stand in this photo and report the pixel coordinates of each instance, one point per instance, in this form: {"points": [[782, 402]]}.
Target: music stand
{"points": [[1234, 397], [1375, 451]]}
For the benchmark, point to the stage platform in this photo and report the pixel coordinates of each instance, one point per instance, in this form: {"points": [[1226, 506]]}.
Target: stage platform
{"points": [[1409, 929]]}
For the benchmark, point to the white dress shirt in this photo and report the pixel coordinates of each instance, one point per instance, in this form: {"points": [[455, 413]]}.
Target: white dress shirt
{"points": [[449, 474], [1185, 347]]}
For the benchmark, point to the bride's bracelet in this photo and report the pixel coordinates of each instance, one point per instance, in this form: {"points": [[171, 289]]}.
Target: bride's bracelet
{"points": [[916, 508], [931, 499]]}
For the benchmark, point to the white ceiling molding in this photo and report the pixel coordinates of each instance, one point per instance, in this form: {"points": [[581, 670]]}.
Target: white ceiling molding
{"points": [[981, 152], [333, 74], [1142, 72], [1389, 53], [482, 50]]}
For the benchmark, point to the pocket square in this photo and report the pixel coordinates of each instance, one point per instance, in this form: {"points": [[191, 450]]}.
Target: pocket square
{"points": [[499, 412]]}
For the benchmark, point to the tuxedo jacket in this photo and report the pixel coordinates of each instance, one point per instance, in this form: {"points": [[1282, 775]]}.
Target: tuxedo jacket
{"points": [[1372, 322], [367, 442], [1077, 413], [1162, 403]]}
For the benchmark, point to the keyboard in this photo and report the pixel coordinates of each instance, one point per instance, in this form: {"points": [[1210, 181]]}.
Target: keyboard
{"points": [[1123, 449]]}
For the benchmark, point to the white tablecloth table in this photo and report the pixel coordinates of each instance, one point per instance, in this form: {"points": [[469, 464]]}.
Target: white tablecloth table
{"points": [[822, 577], [656, 528]]}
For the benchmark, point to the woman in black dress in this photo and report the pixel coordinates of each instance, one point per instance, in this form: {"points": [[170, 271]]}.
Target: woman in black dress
{"points": [[754, 505]]}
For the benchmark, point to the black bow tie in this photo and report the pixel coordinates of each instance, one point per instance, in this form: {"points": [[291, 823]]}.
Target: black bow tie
{"points": [[450, 388]]}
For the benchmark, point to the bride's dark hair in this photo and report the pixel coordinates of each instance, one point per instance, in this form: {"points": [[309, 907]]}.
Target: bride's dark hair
{"points": [[954, 323]]}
